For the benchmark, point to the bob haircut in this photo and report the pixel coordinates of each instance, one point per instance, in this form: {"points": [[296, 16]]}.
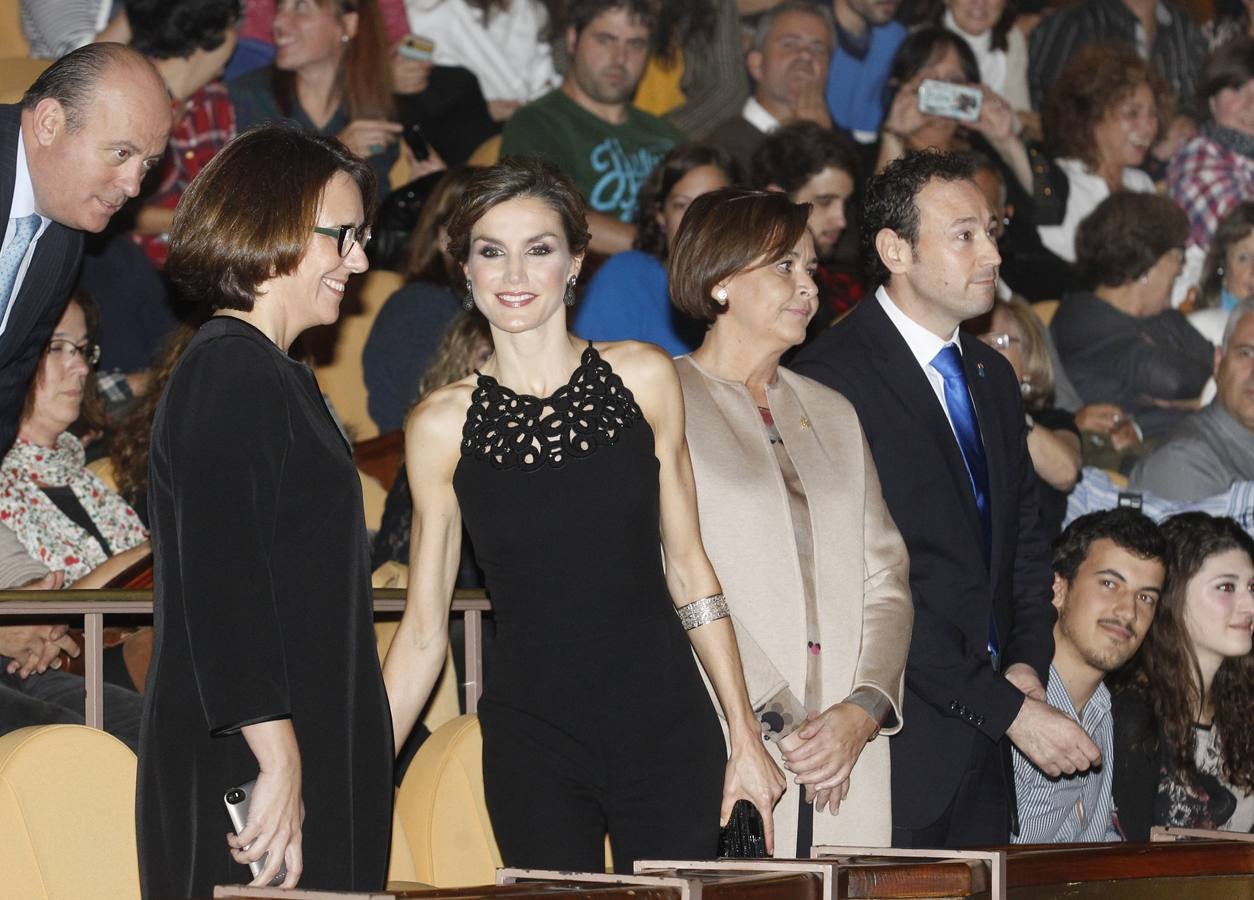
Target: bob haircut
{"points": [[1128, 232], [728, 231], [515, 178], [1095, 80], [249, 215], [1233, 228]]}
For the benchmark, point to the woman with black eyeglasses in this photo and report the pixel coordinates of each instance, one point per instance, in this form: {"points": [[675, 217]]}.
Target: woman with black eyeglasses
{"points": [[62, 513], [264, 664]]}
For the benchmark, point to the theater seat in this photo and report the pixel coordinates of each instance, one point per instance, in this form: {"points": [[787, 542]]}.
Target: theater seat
{"points": [[340, 376], [444, 818], [1045, 310], [487, 154], [12, 41], [16, 75], [67, 814]]}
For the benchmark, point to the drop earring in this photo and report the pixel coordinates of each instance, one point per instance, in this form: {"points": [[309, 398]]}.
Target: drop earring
{"points": [[569, 298], [468, 299]]}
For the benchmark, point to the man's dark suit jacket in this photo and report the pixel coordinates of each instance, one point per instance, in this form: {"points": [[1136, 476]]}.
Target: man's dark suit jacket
{"points": [[953, 694], [37, 307]]}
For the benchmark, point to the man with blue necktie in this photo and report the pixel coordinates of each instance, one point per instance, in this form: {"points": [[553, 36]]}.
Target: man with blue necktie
{"points": [[71, 154], [944, 419]]}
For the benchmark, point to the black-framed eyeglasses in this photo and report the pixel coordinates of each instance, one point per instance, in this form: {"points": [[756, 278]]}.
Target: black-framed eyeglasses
{"points": [[346, 236], [63, 347]]}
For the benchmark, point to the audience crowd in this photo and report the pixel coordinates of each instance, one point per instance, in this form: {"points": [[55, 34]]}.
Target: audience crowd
{"points": [[937, 278]]}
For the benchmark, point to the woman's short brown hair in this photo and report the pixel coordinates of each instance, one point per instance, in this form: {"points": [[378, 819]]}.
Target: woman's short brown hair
{"points": [[1126, 235], [249, 214], [1094, 81], [514, 178], [726, 231]]}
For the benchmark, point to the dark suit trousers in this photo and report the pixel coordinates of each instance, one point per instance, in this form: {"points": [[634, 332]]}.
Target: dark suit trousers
{"points": [[979, 813]]}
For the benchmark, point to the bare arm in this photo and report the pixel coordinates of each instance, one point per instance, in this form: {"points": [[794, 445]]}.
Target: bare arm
{"points": [[417, 653], [1055, 456], [689, 576], [113, 566]]}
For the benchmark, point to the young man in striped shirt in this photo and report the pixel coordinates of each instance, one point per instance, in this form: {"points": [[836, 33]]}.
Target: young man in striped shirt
{"points": [[1108, 576]]}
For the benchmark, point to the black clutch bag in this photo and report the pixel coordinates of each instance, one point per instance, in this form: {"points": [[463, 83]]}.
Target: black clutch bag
{"points": [[744, 836]]}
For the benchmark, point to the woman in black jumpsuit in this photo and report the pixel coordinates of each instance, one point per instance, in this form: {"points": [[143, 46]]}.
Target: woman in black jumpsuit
{"points": [[594, 719]]}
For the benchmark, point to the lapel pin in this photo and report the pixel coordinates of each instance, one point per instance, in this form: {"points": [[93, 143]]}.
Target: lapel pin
{"points": [[979, 369], [805, 423]]}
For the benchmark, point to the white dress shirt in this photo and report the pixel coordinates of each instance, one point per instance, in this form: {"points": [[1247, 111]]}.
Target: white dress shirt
{"points": [[757, 115], [22, 206], [924, 345]]}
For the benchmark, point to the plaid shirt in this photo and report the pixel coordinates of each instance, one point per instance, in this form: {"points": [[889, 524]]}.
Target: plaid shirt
{"points": [[1177, 51], [1207, 179], [207, 124]]}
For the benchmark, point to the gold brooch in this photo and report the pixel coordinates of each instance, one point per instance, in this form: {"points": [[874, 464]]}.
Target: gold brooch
{"points": [[805, 423]]}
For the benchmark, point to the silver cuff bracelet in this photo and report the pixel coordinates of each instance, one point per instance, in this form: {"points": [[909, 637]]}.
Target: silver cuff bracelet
{"points": [[703, 612]]}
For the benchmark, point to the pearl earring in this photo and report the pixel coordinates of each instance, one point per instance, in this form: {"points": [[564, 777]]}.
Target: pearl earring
{"points": [[721, 295]]}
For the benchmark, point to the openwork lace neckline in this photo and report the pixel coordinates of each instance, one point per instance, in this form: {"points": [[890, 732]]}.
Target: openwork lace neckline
{"points": [[512, 430]]}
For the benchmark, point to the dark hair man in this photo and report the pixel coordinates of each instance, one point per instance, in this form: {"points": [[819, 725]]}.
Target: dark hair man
{"points": [[1109, 569], [588, 126], [77, 148], [944, 420]]}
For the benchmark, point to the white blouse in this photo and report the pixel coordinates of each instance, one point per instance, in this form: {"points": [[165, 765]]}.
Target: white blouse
{"points": [[1005, 71], [506, 53], [1087, 190]]}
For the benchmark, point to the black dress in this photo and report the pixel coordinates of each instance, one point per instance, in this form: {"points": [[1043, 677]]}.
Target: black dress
{"points": [[594, 717], [262, 611]]}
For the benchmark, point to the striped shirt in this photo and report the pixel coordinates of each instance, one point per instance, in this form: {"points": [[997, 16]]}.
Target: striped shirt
{"points": [[1177, 50], [1073, 808]]}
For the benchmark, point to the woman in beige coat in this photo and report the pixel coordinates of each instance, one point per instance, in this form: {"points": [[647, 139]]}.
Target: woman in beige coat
{"points": [[792, 518]]}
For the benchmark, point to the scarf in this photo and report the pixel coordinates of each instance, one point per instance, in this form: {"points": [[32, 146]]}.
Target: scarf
{"points": [[47, 533], [1236, 141]]}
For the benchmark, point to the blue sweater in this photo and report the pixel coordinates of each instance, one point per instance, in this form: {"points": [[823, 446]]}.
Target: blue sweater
{"points": [[628, 299], [855, 87]]}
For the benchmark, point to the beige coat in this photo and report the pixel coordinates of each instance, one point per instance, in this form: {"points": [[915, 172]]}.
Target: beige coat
{"points": [[861, 577]]}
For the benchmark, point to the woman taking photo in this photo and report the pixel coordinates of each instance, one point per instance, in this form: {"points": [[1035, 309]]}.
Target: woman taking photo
{"points": [[628, 297], [818, 584], [1184, 742], [566, 459], [264, 664]]}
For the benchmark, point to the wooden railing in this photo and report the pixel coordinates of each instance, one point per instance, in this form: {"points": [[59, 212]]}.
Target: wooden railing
{"points": [[94, 605]]}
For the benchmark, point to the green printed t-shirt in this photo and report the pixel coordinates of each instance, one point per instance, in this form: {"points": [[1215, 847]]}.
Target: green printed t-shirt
{"points": [[608, 163]]}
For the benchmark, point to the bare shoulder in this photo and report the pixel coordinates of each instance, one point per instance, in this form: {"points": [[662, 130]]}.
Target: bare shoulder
{"points": [[643, 367], [433, 429]]}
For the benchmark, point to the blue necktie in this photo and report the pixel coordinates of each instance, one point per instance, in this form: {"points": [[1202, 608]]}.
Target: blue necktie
{"points": [[962, 415], [11, 258]]}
